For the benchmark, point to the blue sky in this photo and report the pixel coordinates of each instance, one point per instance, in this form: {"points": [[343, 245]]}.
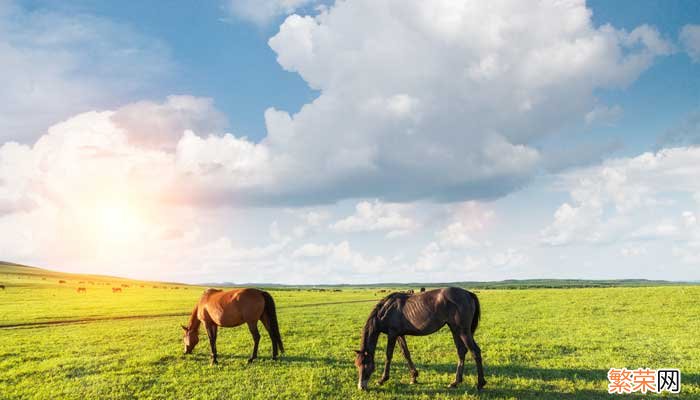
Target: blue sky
{"points": [[304, 141]]}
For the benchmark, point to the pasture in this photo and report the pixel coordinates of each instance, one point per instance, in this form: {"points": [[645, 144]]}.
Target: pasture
{"points": [[536, 343]]}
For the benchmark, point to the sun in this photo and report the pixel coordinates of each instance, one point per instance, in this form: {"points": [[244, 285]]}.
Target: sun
{"points": [[118, 222]]}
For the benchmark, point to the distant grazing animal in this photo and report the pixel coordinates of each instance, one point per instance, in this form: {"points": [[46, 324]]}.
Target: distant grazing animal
{"points": [[81, 282], [116, 289], [91, 282], [81, 290], [155, 287], [61, 281], [124, 285], [400, 314], [233, 308]]}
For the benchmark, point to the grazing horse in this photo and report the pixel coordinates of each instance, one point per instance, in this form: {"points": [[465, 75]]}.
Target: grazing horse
{"points": [[81, 290], [400, 314], [116, 289], [233, 308]]}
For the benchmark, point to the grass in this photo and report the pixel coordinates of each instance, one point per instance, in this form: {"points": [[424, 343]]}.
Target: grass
{"points": [[537, 343]]}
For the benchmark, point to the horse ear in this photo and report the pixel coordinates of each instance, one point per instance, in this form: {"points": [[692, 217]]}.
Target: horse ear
{"points": [[358, 352], [184, 328]]}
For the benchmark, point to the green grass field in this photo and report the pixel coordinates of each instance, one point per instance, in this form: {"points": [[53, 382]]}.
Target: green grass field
{"points": [[537, 343]]}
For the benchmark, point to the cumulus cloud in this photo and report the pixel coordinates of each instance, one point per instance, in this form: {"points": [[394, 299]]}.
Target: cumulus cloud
{"points": [[377, 216], [690, 39], [467, 220], [439, 100], [458, 123], [627, 199], [56, 65], [161, 125]]}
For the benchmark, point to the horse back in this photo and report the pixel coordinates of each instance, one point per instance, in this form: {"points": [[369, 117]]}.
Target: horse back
{"points": [[232, 307]]}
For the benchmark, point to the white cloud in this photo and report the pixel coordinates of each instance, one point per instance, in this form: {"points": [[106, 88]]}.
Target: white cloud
{"points": [[690, 39], [466, 220], [262, 12], [56, 65], [627, 198], [161, 125], [602, 114], [439, 100], [377, 216], [338, 257], [457, 125]]}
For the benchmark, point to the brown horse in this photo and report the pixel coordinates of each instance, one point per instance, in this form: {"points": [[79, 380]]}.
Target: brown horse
{"points": [[401, 314], [232, 308]]}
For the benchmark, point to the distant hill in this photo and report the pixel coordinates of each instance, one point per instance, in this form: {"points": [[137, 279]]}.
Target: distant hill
{"points": [[18, 270], [505, 284]]}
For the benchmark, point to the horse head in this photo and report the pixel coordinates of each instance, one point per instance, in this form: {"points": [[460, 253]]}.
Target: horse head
{"points": [[190, 338], [364, 361]]}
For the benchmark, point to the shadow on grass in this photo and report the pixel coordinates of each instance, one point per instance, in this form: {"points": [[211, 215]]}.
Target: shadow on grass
{"points": [[546, 388]]}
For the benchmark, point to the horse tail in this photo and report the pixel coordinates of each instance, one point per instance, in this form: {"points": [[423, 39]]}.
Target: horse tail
{"points": [[271, 312], [477, 312]]}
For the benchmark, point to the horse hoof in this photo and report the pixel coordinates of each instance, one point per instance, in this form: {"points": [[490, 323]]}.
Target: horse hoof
{"points": [[481, 385], [381, 381], [414, 382], [453, 385], [250, 360]]}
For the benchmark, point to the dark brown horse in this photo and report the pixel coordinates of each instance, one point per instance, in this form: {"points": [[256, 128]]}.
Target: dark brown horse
{"points": [[401, 314], [232, 308]]}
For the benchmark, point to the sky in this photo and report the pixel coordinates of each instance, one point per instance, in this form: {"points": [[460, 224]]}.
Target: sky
{"points": [[356, 141]]}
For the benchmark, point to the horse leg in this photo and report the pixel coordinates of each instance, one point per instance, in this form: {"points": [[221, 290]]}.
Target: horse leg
{"points": [[461, 352], [390, 343], [407, 356], [211, 332], [468, 339], [253, 327], [266, 323]]}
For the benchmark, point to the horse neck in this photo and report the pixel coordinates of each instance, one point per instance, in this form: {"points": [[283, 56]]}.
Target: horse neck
{"points": [[370, 336], [194, 320]]}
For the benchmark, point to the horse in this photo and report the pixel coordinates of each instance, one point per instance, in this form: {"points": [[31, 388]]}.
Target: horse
{"points": [[116, 289], [217, 308], [81, 290], [400, 314]]}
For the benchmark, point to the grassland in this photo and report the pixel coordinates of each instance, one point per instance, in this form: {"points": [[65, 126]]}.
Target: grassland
{"points": [[537, 343]]}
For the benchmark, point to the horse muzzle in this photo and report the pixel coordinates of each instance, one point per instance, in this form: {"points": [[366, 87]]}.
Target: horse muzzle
{"points": [[362, 384]]}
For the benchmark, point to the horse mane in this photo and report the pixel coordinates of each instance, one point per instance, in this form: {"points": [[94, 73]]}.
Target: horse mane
{"points": [[379, 312], [194, 321]]}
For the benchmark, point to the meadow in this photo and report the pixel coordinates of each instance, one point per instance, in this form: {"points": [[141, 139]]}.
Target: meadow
{"points": [[536, 343]]}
